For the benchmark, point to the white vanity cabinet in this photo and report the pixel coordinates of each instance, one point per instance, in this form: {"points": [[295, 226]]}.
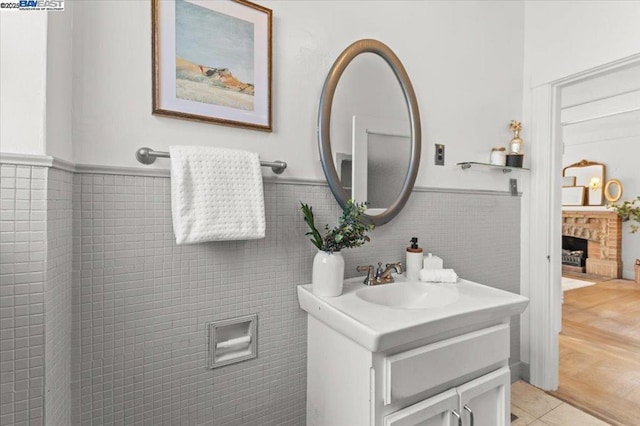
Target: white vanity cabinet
{"points": [[481, 402], [380, 361], [435, 411], [424, 384]]}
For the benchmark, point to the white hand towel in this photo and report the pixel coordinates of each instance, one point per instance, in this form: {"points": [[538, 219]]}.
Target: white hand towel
{"points": [[216, 194], [438, 275]]}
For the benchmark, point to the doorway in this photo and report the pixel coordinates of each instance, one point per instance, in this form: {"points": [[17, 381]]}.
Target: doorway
{"points": [[590, 137], [599, 347]]}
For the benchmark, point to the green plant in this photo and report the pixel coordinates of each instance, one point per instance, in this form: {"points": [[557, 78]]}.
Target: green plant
{"points": [[628, 211], [350, 232]]}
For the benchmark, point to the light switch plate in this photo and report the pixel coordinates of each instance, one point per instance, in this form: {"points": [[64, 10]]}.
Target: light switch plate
{"points": [[439, 155], [513, 186]]}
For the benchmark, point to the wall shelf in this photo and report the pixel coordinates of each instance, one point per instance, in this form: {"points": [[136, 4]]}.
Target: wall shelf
{"points": [[505, 169]]}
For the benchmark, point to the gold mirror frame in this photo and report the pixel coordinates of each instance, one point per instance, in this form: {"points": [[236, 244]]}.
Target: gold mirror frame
{"points": [[607, 190], [594, 184]]}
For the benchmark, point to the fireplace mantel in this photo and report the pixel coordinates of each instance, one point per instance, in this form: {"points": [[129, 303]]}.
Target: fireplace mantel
{"points": [[603, 231]]}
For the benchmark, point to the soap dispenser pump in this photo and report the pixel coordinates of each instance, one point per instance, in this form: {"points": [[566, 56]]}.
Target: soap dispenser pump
{"points": [[414, 260]]}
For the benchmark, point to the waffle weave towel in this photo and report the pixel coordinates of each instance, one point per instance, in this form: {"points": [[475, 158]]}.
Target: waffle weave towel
{"points": [[216, 194]]}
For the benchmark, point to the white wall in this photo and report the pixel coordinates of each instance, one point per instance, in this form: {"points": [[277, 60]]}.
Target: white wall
{"points": [[566, 37], [60, 74], [23, 71], [464, 58]]}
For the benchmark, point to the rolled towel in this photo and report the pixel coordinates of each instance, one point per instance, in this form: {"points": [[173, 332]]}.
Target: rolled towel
{"points": [[438, 275]]}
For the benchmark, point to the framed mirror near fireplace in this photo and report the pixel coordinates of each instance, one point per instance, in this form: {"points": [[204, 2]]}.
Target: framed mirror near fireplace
{"points": [[589, 180]]}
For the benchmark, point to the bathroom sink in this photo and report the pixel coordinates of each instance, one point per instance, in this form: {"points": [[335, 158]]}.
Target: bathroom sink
{"points": [[389, 315], [410, 295]]}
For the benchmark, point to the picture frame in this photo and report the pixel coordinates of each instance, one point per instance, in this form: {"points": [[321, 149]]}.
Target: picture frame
{"points": [[574, 195], [211, 62]]}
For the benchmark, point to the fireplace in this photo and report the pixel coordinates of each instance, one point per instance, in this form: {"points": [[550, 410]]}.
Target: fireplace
{"points": [[574, 254], [602, 231]]}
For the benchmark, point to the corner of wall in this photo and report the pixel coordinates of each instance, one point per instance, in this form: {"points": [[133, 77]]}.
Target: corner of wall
{"points": [[59, 84]]}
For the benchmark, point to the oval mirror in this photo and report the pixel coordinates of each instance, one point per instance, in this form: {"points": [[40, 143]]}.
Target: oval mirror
{"points": [[371, 152], [613, 190]]}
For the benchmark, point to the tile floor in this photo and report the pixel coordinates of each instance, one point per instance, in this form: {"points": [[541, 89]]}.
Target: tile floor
{"points": [[534, 407]]}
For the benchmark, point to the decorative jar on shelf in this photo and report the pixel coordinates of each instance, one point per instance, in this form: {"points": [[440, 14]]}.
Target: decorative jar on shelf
{"points": [[515, 146], [328, 273], [498, 156]]}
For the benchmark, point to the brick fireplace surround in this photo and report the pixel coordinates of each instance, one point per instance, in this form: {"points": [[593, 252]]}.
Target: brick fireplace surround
{"points": [[603, 231]]}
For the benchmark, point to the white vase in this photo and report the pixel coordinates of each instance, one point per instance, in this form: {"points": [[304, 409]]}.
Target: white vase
{"points": [[328, 274]]}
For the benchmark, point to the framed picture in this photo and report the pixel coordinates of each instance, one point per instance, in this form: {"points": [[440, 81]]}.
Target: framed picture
{"points": [[212, 61], [573, 195]]}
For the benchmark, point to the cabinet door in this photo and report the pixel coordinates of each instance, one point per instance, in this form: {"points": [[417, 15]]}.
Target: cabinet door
{"points": [[435, 411], [486, 401]]}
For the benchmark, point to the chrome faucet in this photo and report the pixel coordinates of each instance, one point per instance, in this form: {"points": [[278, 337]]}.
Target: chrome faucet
{"points": [[379, 275]]}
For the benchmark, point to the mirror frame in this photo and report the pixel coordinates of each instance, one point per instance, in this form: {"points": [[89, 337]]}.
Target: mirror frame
{"points": [[607, 190], [324, 124], [600, 188]]}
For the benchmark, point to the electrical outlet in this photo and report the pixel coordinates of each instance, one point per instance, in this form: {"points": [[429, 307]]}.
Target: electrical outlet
{"points": [[439, 157]]}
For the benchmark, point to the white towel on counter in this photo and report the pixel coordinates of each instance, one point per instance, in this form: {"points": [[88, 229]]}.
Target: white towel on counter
{"points": [[438, 275], [216, 194]]}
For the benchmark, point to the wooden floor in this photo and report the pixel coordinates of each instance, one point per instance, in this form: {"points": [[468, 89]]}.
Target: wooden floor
{"points": [[600, 350]]}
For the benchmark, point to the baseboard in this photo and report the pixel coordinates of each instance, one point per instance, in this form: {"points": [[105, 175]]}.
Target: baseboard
{"points": [[519, 371]]}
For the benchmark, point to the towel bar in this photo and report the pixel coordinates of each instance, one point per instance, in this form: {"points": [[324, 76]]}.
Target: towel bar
{"points": [[148, 156]]}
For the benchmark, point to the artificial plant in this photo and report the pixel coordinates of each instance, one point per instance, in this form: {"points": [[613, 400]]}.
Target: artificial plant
{"points": [[350, 232]]}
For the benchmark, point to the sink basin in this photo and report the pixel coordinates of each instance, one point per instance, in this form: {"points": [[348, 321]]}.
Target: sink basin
{"points": [[389, 315], [410, 295]]}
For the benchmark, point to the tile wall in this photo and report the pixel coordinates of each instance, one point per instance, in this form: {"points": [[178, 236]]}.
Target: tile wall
{"points": [[141, 303], [58, 299], [23, 203]]}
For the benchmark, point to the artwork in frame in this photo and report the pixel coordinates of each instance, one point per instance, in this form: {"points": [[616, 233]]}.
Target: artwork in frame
{"points": [[573, 195], [212, 61]]}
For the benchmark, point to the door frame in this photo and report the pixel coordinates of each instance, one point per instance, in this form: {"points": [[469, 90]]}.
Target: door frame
{"points": [[541, 227]]}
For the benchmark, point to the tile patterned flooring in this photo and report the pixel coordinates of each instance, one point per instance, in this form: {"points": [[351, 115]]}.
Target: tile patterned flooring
{"points": [[534, 407]]}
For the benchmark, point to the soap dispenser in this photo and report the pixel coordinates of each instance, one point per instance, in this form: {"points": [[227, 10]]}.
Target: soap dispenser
{"points": [[414, 260]]}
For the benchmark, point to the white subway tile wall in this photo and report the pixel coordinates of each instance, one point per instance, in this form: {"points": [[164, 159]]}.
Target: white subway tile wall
{"points": [[140, 303], [23, 202], [58, 299]]}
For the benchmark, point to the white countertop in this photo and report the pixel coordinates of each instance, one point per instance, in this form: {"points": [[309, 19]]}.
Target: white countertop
{"points": [[377, 327]]}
